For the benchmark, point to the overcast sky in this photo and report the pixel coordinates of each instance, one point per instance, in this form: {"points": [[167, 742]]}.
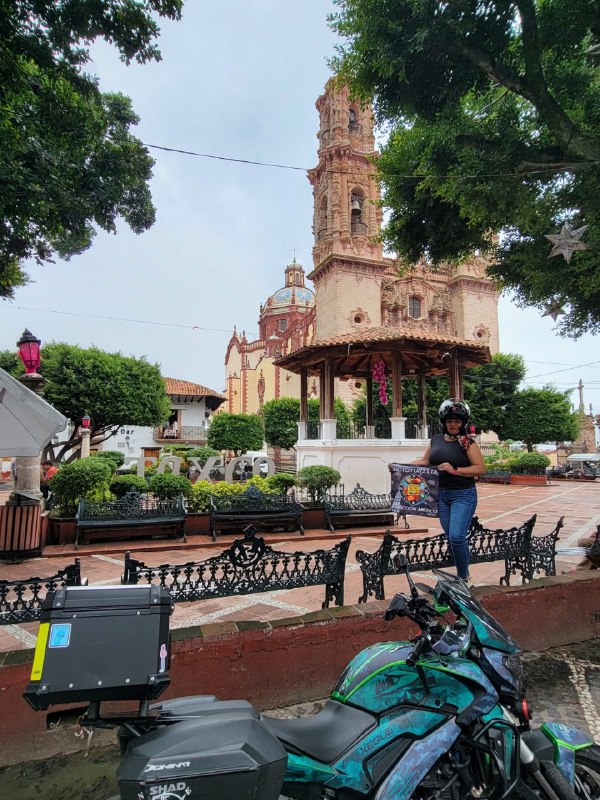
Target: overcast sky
{"points": [[238, 79]]}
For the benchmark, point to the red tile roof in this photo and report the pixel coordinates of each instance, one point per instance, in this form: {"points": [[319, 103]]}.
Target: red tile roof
{"points": [[177, 387]]}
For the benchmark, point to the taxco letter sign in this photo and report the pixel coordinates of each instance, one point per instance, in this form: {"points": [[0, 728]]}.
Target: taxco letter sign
{"points": [[209, 466]]}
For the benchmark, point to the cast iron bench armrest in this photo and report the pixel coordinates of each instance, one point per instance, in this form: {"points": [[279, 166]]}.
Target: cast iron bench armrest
{"points": [[247, 567], [358, 503]]}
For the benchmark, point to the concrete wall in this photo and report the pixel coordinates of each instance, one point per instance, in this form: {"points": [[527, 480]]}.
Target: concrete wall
{"points": [[296, 659]]}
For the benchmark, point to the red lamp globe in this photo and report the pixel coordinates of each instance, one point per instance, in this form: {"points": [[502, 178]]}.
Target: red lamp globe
{"points": [[29, 352], [86, 421]]}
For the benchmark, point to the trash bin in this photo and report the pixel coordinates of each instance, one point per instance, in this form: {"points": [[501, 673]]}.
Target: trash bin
{"points": [[20, 525]]}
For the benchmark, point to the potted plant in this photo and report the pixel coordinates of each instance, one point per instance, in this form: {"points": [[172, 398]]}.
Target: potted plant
{"points": [[529, 469], [316, 480], [82, 478]]}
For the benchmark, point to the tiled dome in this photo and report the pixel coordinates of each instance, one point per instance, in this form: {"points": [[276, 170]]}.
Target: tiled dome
{"points": [[301, 295]]}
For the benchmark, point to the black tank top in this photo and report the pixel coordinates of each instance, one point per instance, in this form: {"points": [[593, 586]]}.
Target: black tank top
{"points": [[454, 454]]}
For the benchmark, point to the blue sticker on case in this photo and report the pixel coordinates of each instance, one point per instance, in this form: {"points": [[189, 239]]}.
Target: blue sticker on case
{"points": [[60, 635]]}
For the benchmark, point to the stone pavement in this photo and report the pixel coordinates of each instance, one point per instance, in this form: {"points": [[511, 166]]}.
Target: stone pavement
{"points": [[499, 507]]}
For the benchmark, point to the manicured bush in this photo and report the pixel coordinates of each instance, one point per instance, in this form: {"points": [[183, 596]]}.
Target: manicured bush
{"points": [[198, 499], [122, 484], [167, 486], [281, 482], [115, 456], [262, 484], [78, 480], [317, 479], [528, 463]]}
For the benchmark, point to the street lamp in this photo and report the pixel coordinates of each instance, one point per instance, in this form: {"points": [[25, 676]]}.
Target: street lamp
{"points": [[86, 421], [29, 352]]}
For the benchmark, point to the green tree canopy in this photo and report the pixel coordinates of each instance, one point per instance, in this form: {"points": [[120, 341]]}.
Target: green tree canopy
{"points": [[493, 115], [237, 432], [281, 422], [113, 389], [68, 162], [11, 363], [534, 416]]}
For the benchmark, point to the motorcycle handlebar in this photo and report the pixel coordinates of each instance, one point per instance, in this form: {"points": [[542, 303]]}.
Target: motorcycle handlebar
{"points": [[423, 644]]}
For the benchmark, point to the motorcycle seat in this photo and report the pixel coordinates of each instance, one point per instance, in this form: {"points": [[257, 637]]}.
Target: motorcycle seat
{"points": [[324, 736]]}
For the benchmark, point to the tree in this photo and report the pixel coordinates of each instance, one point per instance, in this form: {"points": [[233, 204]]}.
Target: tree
{"points": [[281, 422], [68, 161], [237, 432], [493, 112], [115, 390], [490, 388], [534, 416], [11, 363]]}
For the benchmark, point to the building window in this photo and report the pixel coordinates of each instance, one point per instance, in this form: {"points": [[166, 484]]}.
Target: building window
{"points": [[282, 325], [414, 307], [353, 125]]}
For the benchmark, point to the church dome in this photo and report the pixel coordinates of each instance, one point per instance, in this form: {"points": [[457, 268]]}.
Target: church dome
{"points": [[300, 295]]}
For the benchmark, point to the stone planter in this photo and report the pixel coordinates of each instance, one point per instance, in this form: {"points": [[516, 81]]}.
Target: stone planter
{"points": [[528, 480], [313, 516], [61, 530], [197, 524]]}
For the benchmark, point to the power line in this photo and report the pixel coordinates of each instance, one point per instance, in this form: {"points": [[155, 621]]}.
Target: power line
{"points": [[412, 176], [122, 319]]}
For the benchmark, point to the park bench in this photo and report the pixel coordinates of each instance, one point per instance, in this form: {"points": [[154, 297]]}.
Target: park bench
{"points": [[134, 514], [517, 547], [247, 566], [358, 505], [254, 507], [495, 476], [21, 600]]}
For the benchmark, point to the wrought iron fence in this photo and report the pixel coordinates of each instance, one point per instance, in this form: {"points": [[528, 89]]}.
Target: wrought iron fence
{"points": [[313, 430], [187, 433]]}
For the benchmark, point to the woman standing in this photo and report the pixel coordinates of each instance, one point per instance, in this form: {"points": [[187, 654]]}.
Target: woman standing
{"points": [[458, 459]]}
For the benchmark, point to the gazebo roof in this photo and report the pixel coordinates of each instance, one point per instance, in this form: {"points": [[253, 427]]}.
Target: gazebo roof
{"points": [[353, 353]]}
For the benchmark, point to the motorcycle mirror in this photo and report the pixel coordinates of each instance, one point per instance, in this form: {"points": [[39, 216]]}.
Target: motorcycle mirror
{"points": [[397, 607], [399, 561]]}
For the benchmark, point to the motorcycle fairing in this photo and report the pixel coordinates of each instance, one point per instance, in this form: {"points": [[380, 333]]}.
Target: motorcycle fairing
{"points": [[487, 631], [412, 768], [483, 701], [380, 680], [566, 742]]}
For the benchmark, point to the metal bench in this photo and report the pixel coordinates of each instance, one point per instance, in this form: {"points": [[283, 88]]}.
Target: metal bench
{"points": [[248, 566], [256, 507], [21, 600], [130, 516], [517, 547], [495, 476], [357, 505]]}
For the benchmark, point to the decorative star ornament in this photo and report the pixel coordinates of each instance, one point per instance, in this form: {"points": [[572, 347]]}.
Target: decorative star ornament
{"points": [[553, 309], [567, 241]]}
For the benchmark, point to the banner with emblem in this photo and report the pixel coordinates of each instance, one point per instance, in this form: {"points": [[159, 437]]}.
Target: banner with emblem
{"points": [[415, 490]]}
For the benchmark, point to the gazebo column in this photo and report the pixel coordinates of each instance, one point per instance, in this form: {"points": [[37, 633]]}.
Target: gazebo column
{"points": [[328, 421], [455, 381], [302, 422], [397, 419], [369, 427], [423, 431]]}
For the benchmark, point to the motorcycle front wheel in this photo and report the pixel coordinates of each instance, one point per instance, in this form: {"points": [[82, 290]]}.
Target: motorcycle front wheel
{"points": [[587, 773]]}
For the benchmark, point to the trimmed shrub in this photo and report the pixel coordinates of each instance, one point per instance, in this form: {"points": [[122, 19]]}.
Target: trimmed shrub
{"points": [[167, 486], [281, 482], [122, 484], [262, 484], [529, 463], [317, 479], [115, 456], [78, 480], [197, 501]]}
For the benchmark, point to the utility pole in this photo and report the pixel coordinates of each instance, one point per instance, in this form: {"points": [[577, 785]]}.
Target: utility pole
{"points": [[581, 405]]}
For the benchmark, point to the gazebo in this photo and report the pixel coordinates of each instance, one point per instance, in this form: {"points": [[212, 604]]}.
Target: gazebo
{"points": [[406, 354]]}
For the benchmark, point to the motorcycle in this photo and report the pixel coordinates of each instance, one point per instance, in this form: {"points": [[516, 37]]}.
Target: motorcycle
{"points": [[442, 717]]}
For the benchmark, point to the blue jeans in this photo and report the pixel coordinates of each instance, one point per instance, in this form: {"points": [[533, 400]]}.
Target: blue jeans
{"points": [[456, 509]]}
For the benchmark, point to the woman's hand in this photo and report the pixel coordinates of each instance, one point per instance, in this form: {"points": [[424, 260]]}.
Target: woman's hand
{"points": [[446, 467]]}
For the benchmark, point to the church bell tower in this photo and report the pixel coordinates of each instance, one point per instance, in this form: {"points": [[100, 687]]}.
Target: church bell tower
{"points": [[347, 256]]}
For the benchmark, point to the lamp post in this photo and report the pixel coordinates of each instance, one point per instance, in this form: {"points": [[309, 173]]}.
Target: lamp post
{"points": [[27, 468], [85, 431]]}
